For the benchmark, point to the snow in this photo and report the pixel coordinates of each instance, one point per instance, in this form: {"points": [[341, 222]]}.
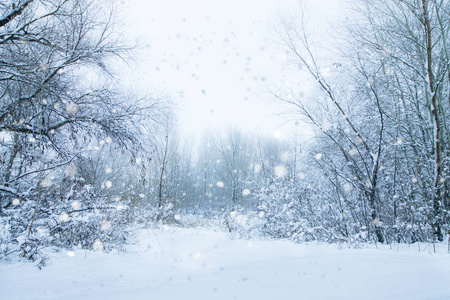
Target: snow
{"points": [[203, 264]]}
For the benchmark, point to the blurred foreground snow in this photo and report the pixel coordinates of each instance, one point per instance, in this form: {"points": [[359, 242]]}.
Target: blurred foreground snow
{"points": [[202, 264]]}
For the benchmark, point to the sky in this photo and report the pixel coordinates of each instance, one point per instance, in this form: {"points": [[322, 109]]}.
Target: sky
{"points": [[216, 59]]}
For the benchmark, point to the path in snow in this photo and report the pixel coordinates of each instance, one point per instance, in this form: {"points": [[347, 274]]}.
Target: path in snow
{"points": [[201, 264]]}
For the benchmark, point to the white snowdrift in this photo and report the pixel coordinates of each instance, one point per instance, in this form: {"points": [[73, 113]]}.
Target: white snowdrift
{"points": [[201, 264]]}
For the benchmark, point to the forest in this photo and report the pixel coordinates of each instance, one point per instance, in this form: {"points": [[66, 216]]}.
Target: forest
{"points": [[84, 160]]}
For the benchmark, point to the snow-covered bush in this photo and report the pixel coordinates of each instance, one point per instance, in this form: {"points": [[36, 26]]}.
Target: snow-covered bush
{"points": [[243, 224]]}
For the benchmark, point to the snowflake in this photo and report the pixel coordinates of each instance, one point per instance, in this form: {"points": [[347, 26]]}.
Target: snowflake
{"points": [[63, 217], [71, 171], [97, 246], [220, 184], [318, 156], [108, 184], [5, 136], [108, 171], [105, 225], [46, 183], [302, 176], [246, 192], [347, 187], [285, 156], [177, 217], [277, 134], [16, 202], [72, 109], [280, 171], [75, 205], [353, 151]]}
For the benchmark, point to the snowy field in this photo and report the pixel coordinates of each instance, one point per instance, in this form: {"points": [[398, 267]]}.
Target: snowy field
{"points": [[201, 264]]}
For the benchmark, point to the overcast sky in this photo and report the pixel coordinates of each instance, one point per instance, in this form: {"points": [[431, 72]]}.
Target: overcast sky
{"points": [[215, 58]]}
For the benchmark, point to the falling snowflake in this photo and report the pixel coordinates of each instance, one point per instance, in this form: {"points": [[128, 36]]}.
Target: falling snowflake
{"points": [[233, 214], [285, 156], [246, 192], [46, 183], [105, 225], [108, 171], [63, 217], [318, 156], [16, 202], [220, 184], [302, 176], [280, 171], [347, 187], [177, 217], [353, 151], [257, 168], [261, 214], [72, 109], [97, 246], [71, 171], [108, 184], [108, 140], [5, 136], [75, 205]]}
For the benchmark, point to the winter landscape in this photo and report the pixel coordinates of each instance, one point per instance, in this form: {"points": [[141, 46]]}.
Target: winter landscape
{"points": [[224, 150]]}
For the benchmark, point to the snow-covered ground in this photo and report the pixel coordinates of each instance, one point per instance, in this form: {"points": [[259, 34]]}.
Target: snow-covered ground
{"points": [[203, 264]]}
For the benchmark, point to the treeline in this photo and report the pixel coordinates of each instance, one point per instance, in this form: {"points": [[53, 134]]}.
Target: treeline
{"points": [[378, 169]]}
